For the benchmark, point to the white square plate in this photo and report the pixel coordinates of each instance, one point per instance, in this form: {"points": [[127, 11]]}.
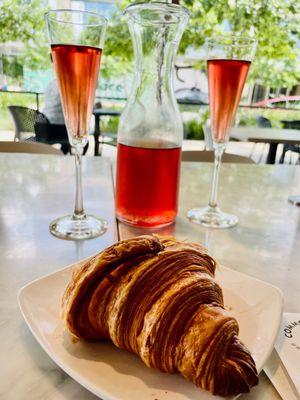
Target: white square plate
{"points": [[115, 374]]}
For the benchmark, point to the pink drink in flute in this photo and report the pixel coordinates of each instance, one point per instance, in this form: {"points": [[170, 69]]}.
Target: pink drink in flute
{"points": [[229, 59], [226, 82], [77, 39], [77, 70]]}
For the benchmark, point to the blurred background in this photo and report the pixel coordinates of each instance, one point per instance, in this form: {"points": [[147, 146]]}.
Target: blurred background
{"points": [[272, 92]]}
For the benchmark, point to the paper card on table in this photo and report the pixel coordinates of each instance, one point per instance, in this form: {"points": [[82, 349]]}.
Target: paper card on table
{"points": [[288, 346], [280, 378]]}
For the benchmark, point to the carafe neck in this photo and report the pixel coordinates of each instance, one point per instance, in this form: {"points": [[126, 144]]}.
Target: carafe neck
{"points": [[156, 29]]}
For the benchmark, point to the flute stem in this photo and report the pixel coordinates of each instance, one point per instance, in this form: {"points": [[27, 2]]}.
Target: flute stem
{"points": [[219, 150], [78, 210]]}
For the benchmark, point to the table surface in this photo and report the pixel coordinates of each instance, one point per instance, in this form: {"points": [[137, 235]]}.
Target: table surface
{"points": [[266, 135], [35, 189]]}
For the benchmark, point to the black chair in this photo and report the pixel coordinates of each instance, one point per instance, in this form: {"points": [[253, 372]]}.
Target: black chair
{"points": [[24, 120], [33, 121], [52, 134], [295, 148]]}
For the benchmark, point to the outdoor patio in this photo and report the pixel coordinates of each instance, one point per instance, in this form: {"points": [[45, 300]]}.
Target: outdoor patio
{"points": [[257, 151], [149, 200]]}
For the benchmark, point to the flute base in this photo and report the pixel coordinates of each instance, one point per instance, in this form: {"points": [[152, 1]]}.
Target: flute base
{"points": [[295, 200], [71, 228], [212, 217]]}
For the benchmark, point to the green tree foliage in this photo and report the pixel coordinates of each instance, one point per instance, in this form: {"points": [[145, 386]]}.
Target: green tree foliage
{"points": [[23, 21], [274, 22], [12, 67]]}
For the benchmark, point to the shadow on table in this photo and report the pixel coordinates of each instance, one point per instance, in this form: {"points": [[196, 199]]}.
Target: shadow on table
{"points": [[126, 363]]}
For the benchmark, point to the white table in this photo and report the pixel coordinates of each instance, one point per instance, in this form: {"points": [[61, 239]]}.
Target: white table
{"points": [[36, 189], [272, 136]]}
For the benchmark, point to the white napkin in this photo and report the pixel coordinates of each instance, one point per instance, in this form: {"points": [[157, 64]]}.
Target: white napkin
{"points": [[283, 366]]}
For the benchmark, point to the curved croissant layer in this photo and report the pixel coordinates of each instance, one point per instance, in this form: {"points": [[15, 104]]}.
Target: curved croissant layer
{"points": [[157, 297]]}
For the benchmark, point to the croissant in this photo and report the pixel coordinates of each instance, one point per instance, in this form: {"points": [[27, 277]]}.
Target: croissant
{"points": [[157, 297]]}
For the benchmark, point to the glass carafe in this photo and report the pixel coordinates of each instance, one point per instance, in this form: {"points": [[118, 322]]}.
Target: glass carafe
{"points": [[150, 129]]}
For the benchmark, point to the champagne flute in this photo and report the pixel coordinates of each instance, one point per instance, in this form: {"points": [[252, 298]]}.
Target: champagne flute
{"points": [[76, 39], [229, 59]]}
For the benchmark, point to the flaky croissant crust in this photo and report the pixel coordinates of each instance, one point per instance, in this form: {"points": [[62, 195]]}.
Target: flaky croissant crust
{"points": [[157, 297]]}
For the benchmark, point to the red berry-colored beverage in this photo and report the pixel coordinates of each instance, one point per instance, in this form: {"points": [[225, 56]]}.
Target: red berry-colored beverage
{"points": [[77, 71], [226, 82], [147, 184]]}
